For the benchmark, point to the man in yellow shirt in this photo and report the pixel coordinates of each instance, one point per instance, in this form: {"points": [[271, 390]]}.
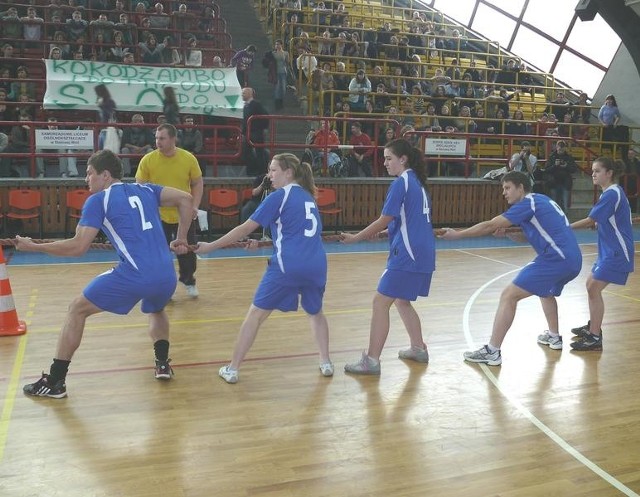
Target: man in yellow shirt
{"points": [[169, 165]]}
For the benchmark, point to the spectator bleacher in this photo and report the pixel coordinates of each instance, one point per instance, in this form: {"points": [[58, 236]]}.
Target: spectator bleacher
{"points": [[407, 48], [190, 34], [418, 55]]}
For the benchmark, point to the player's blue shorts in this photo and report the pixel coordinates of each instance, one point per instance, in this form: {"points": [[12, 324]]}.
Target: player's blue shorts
{"points": [[602, 273], [118, 292], [404, 285], [273, 294], [544, 278]]}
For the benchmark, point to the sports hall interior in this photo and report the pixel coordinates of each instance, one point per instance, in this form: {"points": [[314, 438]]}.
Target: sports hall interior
{"points": [[546, 423]]}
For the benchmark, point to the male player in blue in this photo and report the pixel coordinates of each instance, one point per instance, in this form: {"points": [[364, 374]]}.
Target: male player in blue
{"points": [[128, 215], [558, 262]]}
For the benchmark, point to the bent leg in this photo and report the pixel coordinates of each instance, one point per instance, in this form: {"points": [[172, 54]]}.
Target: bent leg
{"points": [[320, 329], [550, 309], [509, 299], [159, 326], [596, 303], [71, 335], [379, 329], [411, 322], [248, 331]]}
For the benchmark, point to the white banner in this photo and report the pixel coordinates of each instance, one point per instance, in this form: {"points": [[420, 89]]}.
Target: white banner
{"points": [[64, 138], [207, 91], [445, 146]]}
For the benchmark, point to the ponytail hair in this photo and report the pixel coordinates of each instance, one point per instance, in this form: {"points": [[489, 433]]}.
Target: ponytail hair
{"points": [[616, 166], [415, 158], [302, 173]]}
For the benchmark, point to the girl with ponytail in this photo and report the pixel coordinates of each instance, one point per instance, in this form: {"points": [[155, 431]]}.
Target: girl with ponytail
{"points": [[297, 270], [612, 216], [412, 256]]}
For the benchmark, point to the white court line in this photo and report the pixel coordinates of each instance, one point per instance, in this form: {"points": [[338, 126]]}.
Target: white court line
{"points": [[488, 258], [557, 439]]}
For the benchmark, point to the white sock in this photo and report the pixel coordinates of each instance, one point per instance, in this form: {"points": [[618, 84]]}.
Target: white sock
{"points": [[492, 349]]}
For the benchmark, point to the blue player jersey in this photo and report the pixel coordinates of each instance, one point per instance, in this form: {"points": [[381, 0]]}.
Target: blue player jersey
{"points": [[546, 227], [615, 234], [412, 242], [129, 217], [296, 229]]}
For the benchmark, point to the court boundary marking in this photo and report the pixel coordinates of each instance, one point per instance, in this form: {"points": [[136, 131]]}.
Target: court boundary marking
{"points": [[552, 435]]}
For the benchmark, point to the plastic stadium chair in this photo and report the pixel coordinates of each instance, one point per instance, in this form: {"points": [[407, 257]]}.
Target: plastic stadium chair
{"points": [[25, 204], [327, 205]]}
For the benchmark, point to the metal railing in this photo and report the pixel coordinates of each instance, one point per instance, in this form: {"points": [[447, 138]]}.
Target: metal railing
{"points": [[222, 144]]}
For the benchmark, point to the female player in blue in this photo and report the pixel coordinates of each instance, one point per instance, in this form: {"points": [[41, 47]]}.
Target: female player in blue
{"points": [[612, 215], [412, 256], [558, 261], [298, 267]]}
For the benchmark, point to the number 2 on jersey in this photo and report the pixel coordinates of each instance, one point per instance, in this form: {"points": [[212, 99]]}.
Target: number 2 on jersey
{"points": [[136, 203]]}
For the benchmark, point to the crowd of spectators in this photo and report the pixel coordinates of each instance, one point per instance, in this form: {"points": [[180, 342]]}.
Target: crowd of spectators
{"points": [[420, 72], [189, 34], [407, 64]]}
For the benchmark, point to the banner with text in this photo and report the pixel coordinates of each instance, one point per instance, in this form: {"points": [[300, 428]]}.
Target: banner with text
{"points": [[206, 91], [445, 146], [64, 138]]}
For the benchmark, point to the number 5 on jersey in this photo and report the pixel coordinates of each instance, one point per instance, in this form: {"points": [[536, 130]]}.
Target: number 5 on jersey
{"points": [[309, 214]]}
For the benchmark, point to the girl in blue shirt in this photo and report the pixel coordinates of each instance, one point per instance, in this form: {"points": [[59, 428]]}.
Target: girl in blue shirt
{"points": [[609, 117], [412, 256], [612, 216], [297, 269]]}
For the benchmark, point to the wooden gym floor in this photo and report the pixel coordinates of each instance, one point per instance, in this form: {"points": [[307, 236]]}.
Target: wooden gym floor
{"points": [[547, 423]]}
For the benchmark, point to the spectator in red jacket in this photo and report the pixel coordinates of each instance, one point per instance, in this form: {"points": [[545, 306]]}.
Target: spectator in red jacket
{"points": [[362, 152]]}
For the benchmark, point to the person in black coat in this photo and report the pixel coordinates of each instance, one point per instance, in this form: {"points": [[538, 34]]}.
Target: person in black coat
{"points": [[255, 157], [559, 174]]}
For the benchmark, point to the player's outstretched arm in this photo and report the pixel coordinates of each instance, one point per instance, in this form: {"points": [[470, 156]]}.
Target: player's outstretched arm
{"points": [[481, 229], [72, 247], [236, 234], [369, 232], [585, 223]]}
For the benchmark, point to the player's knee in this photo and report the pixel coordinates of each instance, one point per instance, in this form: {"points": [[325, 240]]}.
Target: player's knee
{"points": [[80, 306]]}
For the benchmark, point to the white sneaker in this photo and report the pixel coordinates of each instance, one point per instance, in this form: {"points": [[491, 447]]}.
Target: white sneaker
{"points": [[415, 354], [326, 368], [553, 341], [483, 356], [192, 291], [227, 374], [366, 365]]}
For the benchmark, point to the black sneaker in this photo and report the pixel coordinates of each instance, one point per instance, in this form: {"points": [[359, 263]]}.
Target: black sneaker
{"points": [[581, 330], [163, 370], [42, 388], [588, 342]]}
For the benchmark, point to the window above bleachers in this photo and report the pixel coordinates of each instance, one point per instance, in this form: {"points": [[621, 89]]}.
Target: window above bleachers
{"points": [[535, 31]]}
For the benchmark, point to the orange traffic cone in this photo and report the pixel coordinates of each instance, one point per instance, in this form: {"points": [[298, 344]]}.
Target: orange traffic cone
{"points": [[9, 324]]}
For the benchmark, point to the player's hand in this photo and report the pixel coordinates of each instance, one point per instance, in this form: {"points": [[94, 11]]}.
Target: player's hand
{"points": [[180, 247], [25, 244], [347, 238], [500, 233], [449, 234], [204, 248], [252, 244]]}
